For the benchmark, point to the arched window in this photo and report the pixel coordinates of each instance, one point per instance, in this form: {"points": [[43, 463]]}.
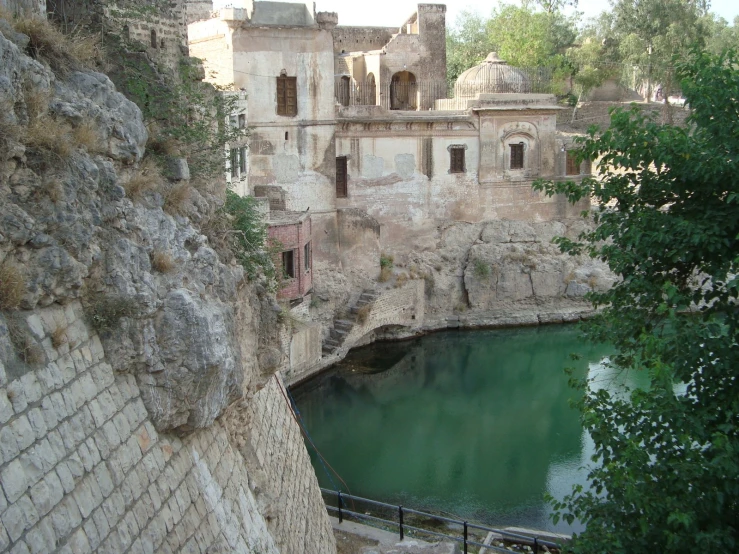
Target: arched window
{"points": [[370, 91]]}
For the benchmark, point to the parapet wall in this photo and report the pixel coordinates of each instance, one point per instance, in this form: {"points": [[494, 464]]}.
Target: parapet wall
{"points": [[83, 469]]}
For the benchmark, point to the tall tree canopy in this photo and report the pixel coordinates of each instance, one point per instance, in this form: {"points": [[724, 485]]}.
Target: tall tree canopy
{"points": [[522, 35], [666, 477]]}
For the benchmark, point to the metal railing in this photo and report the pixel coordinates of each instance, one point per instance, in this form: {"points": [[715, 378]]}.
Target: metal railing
{"points": [[466, 531]]}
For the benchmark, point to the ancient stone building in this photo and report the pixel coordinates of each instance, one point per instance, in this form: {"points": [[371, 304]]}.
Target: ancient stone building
{"points": [[356, 126]]}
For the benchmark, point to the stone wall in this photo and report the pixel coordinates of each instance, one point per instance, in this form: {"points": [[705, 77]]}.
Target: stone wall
{"points": [[83, 468]]}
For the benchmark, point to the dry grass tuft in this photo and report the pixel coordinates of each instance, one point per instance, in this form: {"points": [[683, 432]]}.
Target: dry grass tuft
{"points": [[162, 261], [62, 52], [47, 133], [385, 274], [146, 179], [364, 313], [177, 197], [165, 146], [59, 337], [25, 347], [86, 136], [37, 101], [401, 279], [12, 286], [53, 189]]}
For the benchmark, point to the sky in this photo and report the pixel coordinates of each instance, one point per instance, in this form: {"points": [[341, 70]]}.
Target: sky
{"points": [[391, 13]]}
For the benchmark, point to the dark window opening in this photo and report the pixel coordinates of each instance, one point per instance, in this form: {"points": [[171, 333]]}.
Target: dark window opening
{"points": [[341, 177], [287, 97], [234, 162], [161, 43], [242, 161], [517, 156], [456, 164], [126, 32], [242, 121], [573, 168], [286, 135], [344, 90], [306, 256], [153, 38], [288, 264]]}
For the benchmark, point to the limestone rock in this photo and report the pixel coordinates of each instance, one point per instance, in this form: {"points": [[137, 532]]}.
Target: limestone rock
{"points": [[192, 332]]}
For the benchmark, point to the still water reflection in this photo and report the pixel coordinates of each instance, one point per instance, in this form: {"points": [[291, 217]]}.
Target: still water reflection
{"points": [[473, 423]]}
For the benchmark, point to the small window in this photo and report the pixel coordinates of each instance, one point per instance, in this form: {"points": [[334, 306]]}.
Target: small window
{"points": [[456, 162], [287, 97], [242, 161], [234, 162], [126, 33], [161, 43], [306, 256], [341, 177], [517, 156], [242, 121], [153, 38], [233, 121], [288, 265], [573, 168]]}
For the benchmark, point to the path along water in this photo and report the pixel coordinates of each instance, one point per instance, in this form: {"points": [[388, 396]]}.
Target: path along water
{"points": [[473, 423]]}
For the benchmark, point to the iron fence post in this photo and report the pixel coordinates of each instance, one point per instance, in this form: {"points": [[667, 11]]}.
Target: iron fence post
{"points": [[536, 545], [400, 519], [465, 537], [341, 516]]}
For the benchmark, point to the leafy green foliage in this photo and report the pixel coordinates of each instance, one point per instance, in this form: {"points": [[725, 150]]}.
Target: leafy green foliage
{"points": [[178, 109], [248, 236], [666, 473], [521, 35], [527, 38], [386, 261]]}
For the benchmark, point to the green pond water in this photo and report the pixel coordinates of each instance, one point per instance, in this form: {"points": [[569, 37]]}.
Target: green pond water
{"points": [[472, 423]]}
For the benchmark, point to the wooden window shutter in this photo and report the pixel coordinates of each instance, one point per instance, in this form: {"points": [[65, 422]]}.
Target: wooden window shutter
{"points": [[573, 168], [287, 95], [457, 159], [517, 156]]}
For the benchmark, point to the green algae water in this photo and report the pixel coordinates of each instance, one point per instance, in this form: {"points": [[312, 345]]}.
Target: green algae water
{"points": [[471, 423]]}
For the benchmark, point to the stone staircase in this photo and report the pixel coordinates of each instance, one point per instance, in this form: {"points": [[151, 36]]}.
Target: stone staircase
{"points": [[343, 325]]}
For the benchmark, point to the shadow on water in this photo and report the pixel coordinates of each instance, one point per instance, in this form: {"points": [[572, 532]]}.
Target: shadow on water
{"points": [[473, 423]]}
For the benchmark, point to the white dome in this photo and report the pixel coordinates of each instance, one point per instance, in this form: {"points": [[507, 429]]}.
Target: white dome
{"points": [[493, 75]]}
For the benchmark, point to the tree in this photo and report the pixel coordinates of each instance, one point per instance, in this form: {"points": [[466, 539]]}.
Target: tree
{"points": [[467, 44], [527, 38], [666, 477], [653, 32]]}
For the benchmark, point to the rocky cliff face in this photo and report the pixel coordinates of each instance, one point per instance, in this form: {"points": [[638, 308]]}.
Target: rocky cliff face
{"points": [[123, 339]]}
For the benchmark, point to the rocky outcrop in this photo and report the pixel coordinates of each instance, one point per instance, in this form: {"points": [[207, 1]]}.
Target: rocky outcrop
{"points": [[129, 349]]}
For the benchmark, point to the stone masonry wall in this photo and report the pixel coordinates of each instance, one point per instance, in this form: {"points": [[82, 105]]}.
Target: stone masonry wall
{"points": [[82, 468]]}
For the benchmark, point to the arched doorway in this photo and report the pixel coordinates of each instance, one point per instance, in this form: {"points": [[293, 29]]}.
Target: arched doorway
{"points": [[344, 84], [403, 91], [369, 94]]}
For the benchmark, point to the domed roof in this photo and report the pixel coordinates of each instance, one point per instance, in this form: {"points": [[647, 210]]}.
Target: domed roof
{"points": [[490, 76]]}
